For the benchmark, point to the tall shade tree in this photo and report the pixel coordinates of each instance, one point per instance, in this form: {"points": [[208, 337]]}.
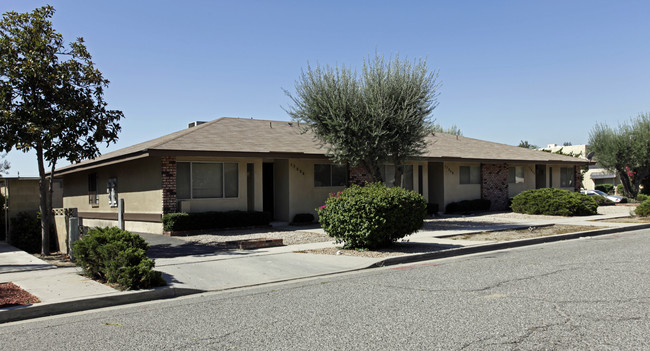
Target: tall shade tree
{"points": [[379, 116], [51, 99], [625, 150]]}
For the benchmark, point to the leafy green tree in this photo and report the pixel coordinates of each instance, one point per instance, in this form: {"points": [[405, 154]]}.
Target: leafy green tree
{"points": [[4, 166], [625, 150], [51, 99], [526, 145], [453, 130], [381, 115]]}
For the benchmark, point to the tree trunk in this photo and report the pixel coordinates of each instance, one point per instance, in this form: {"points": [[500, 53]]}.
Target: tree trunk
{"points": [[50, 191], [373, 171], [45, 218]]}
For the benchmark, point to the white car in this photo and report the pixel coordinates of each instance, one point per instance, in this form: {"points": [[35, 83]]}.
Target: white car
{"points": [[613, 198]]}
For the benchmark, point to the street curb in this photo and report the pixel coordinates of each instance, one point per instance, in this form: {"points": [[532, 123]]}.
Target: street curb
{"points": [[500, 246], [18, 313]]}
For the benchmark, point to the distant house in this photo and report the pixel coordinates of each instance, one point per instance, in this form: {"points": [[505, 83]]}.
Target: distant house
{"points": [[21, 194], [273, 166], [596, 174]]}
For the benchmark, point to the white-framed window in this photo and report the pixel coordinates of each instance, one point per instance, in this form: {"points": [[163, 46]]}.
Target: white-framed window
{"points": [[516, 175], [470, 175], [330, 175], [388, 175], [202, 180], [567, 176]]}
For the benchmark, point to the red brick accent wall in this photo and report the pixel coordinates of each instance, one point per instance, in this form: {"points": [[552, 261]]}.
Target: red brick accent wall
{"points": [[578, 178], [494, 185], [168, 171], [358, 175]]}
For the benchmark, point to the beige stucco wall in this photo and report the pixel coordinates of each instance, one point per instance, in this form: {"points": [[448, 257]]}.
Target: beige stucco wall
{"points": [[529, 180], [22, 195], [304, 197], [139, 183], [227, 204], [454, 191]]}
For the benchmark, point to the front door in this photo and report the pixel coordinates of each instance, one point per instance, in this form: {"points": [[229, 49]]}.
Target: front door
{"points": [[540, 176], [268, 201]]}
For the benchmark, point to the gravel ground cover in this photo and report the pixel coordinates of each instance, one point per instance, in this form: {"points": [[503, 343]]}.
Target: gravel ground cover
{"points": [[532, 232], [293, 237]]}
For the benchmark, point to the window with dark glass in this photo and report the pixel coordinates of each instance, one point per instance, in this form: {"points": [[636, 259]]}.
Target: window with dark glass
{"points": [[567, 177], [470, 175], [330, 175], [93, 197]]}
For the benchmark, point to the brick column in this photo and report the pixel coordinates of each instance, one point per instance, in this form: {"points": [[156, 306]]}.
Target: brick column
{"points": [[578, 178], [168, 171], [494, 185], [358, 175]]}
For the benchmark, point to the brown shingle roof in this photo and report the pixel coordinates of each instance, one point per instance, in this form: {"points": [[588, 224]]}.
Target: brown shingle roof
{"points": [[262, 137]]}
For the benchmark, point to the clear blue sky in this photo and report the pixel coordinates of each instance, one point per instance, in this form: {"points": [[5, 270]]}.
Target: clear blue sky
{"points": [[542, 71]]}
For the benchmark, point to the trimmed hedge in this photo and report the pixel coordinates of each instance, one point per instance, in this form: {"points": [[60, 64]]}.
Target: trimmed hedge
{"points": [[554, 202], [372, 216], [117, 257], [467, 206], [643, 210], [432, 209], [303, 218], [213, 220], [25, 233]]}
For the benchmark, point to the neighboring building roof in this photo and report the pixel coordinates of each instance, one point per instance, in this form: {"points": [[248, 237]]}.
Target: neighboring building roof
{"points": [[262, 138]]}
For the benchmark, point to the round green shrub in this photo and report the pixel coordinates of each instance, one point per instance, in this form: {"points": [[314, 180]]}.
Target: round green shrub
{"points": [[117, 256], [643, 210], [555, 202], [372, 216]]}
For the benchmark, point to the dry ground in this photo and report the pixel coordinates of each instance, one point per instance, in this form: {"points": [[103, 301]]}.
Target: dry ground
{"points": [[13, 295]]}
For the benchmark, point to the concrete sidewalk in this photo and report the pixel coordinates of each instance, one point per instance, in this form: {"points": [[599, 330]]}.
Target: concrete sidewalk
{"points": [[64, 290]]}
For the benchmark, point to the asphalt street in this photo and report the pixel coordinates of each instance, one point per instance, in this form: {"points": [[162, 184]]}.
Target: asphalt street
{"points": [[589, 293]]}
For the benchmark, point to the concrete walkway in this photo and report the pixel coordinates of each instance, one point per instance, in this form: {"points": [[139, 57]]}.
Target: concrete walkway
{"points": [[64, 290]]}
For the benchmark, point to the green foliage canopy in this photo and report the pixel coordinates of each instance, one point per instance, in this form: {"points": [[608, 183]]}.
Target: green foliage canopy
{"points": [[625, 150], [381, 115], [51, 98]]}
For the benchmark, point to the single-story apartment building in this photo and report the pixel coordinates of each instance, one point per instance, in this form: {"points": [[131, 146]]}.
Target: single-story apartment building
{"points": [[274, 166]]}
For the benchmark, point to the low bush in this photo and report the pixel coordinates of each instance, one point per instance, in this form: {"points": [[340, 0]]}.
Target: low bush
{"points": [[642, 197], [372, 216], [554, 202], [303, 218], [620, 190], [117, 257], [468, 206], [643, 210], [432, 209], [606, 188], [25, 233], [213, 220]]}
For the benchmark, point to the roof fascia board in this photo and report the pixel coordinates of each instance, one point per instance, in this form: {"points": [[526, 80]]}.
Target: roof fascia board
{"points": [[98, 164]]}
